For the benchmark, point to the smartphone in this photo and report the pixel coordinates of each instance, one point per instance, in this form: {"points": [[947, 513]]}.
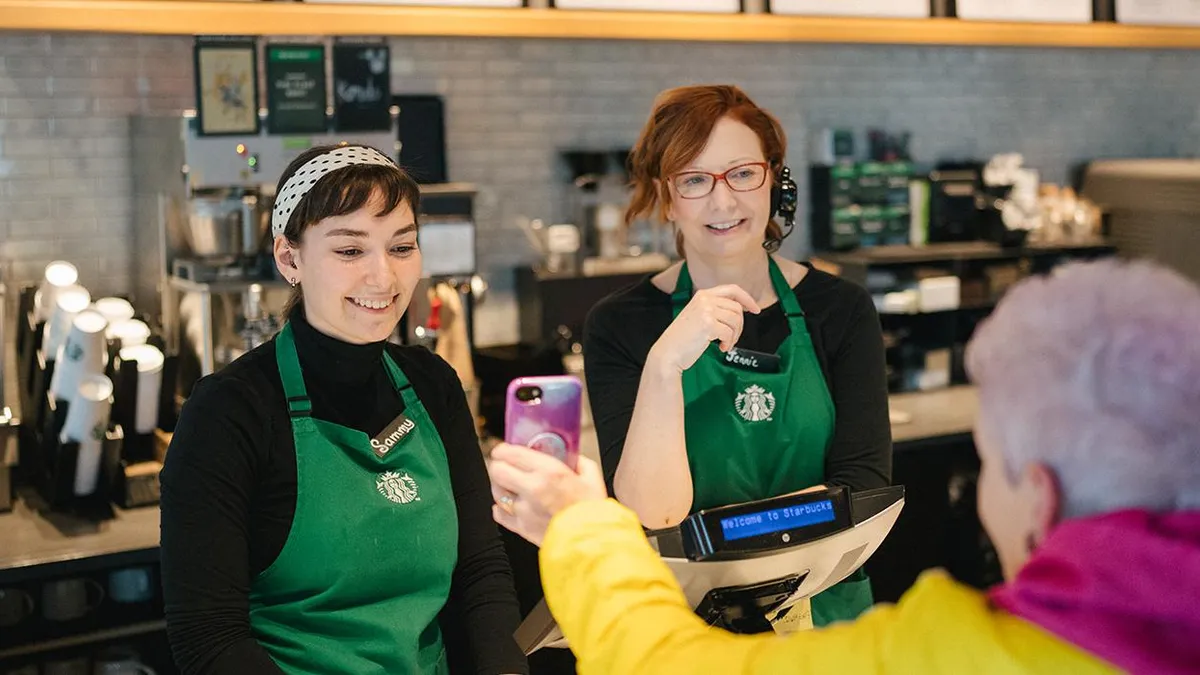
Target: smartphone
{"points": [[544, 413]]}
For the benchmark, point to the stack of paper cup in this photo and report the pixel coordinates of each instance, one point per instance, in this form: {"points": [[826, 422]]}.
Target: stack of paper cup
{"points": [[129, 332], [150, 366], [114, 309], [58, 275], [82, 353], [86, 424], [70, 301]]}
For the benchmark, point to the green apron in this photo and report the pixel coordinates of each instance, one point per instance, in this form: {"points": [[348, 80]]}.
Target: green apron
{"points": [[367, 564], [753, 435]]}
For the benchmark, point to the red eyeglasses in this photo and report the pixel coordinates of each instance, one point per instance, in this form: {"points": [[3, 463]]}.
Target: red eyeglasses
{"points": [[741, 178]]}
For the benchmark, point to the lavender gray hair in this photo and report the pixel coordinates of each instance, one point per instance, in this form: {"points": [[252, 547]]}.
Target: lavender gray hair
{"points": [[1095, 372]]}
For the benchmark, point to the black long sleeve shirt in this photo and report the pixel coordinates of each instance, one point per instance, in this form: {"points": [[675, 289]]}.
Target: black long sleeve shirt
{"points": [[847, 338], [229, 496]]}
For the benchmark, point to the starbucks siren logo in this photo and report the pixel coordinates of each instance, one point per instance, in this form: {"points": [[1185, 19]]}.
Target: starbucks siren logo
{"points": [[72, 351], [755, 404], [397, 487]]}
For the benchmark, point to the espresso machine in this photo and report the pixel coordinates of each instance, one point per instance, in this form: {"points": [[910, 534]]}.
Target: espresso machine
{"points": [[441, 313], [598, 196], [203, 265]]}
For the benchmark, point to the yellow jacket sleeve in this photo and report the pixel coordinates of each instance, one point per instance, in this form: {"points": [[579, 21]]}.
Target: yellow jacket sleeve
{"points": [[622, 612]]}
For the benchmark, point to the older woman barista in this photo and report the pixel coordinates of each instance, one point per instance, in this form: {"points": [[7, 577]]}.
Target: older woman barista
{"points": [[1089, 487], [325, 505], [735, 375]]}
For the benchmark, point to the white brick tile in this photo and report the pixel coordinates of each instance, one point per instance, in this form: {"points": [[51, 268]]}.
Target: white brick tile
{"points": [[39, 187], [114, 183], [78, 168], [33, 167], [15, 148], [30, 214], [72, 66], [24, 65], [100, 85], [68, 106], [166, 47], [19, 87], [16, 127], [94, 44], [109, 107], [91, 127], [26, 44], [23, 270]]}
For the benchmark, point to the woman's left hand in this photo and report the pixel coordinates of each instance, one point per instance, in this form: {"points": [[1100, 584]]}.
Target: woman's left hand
{"points": [[530, 488]]}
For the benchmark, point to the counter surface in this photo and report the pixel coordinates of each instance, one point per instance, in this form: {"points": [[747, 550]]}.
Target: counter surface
{"points": [[935, 414], [29, 539]]}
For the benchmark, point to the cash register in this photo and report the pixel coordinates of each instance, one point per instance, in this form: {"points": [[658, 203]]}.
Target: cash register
{"points": [[741, 566]]}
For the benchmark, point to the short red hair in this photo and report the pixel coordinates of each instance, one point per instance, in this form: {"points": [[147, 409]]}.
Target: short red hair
{"points": [[676, 133]]}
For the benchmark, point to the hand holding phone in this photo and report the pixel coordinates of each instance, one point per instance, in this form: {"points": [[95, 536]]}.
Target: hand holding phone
{"points": [[543, 413]]}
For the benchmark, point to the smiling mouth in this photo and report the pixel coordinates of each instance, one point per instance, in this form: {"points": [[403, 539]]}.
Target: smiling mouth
{"points": [[725, 226], [374, 304]]}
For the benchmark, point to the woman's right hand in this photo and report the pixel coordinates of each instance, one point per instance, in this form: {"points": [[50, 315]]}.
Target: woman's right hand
{"points": [[712, 314]]}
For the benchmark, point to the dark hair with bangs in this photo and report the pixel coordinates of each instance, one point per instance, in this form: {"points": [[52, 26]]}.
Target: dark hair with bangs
{"points": [[342, 191]]}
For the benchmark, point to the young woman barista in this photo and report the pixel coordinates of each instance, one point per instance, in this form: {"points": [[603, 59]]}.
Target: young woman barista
{"points": [[325, 504], [734, 375]]}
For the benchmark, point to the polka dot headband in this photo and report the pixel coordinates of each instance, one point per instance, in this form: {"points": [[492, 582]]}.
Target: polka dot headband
{"points": [[302, 181]]}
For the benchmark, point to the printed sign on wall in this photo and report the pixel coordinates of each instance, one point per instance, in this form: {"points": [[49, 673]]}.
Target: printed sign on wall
{"points": [[295, 88]]}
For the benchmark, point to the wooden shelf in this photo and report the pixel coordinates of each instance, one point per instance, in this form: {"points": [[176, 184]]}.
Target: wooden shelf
{"points": [[190, 17], [872, 256]]}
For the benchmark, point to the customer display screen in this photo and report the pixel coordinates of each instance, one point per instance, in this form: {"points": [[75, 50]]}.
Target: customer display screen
{"points": [[777, 520]]}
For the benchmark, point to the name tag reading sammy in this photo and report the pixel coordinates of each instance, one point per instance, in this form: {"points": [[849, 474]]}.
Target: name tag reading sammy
{"points": [[392, 434]]}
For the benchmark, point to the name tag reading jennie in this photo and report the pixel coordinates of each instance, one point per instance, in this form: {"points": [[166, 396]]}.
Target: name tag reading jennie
{"points": [[392, 434], [746, 359]]}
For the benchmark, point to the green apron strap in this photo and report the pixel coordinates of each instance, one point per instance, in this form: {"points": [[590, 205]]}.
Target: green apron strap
{"points": [[683, 291], [298, 402], [400, 382], [787, 299]]}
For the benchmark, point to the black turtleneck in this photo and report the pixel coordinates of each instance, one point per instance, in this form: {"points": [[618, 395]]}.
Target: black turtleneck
{"points": [[229, 495]]}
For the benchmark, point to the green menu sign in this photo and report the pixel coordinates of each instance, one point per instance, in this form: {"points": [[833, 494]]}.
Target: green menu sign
{"points": [[295, 88]]}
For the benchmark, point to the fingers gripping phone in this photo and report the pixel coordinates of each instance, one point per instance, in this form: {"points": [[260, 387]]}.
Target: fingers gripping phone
{"points": [[544, 413]]}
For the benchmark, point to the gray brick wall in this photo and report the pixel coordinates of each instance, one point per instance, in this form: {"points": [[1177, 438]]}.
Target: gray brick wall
{"points": [[64, 99]]}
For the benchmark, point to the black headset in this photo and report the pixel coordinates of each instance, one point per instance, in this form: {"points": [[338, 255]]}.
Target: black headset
{"points": [[784, 198]]}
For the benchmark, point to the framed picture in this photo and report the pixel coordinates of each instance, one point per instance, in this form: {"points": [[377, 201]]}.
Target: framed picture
{"points": [[295, 75], [226, 87]]}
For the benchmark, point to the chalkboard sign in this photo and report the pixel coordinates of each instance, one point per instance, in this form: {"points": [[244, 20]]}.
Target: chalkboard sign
{"points": [[295, 88], [362, 91]]}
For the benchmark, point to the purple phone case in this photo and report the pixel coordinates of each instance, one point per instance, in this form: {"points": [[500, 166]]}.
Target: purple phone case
{"points": [[550, 424]]}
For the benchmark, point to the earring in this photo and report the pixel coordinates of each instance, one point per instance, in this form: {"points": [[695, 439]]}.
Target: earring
{"points": [[293, 282]]}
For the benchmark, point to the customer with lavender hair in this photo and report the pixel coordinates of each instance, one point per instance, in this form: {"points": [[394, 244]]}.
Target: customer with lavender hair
{"points": [[1089, 437]]}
